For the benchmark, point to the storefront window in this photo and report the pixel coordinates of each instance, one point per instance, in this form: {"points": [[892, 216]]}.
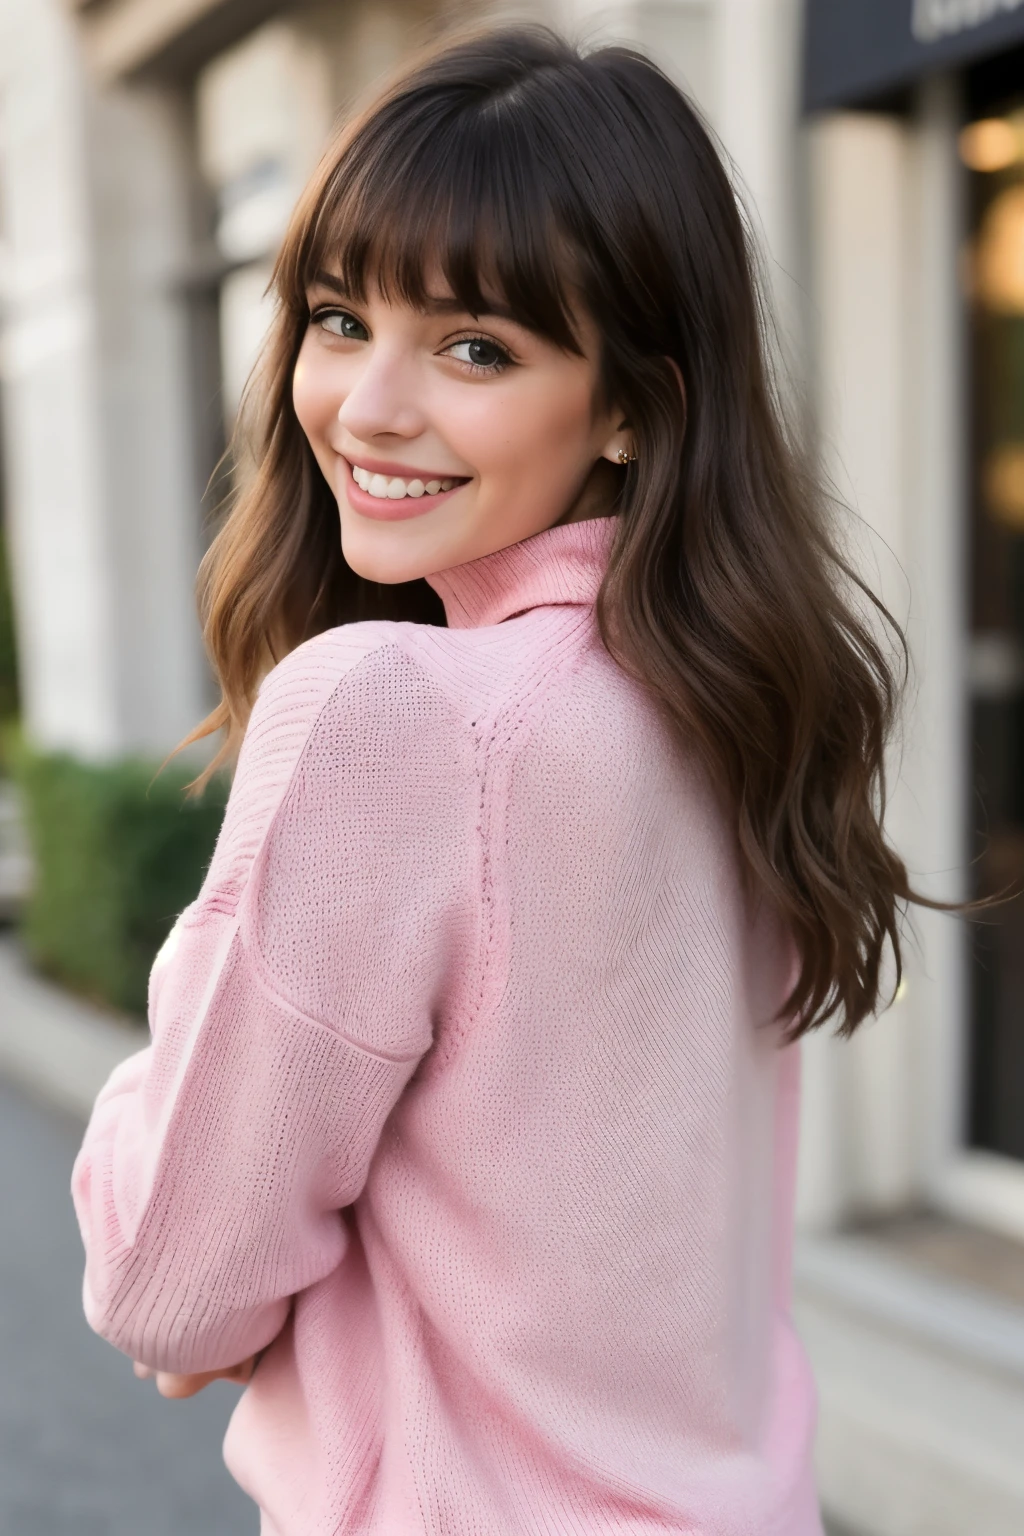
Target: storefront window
{"points": [[992, 147]]}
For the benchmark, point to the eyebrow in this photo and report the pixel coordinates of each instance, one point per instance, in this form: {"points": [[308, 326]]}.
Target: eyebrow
{"points": [[430, 306]]}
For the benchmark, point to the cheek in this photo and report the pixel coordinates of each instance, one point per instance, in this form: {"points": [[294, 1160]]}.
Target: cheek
{"points": [[315, 395], [538, 426]]}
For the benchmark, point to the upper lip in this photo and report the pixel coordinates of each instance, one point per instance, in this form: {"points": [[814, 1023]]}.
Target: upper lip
{"points": [[400, 471]]}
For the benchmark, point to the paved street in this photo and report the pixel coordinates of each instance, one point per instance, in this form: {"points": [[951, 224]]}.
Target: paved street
{"points": [[85, 1449]]}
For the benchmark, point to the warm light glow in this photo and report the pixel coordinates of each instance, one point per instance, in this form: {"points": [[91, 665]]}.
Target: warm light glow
{"points": [[990, 145], [1003, 479], [999, 256]]}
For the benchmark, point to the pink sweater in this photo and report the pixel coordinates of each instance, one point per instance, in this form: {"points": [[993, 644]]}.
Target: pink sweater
{"points": [[463, 1091]]}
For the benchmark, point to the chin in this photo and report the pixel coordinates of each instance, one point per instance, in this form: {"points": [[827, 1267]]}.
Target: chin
{"points": [[388, 573], [373, 560]]}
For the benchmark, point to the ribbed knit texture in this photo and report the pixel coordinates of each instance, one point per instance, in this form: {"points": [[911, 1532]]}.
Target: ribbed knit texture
{"points": [[464, 1090]]}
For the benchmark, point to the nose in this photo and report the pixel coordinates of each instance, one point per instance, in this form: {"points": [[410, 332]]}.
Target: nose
{"points": [[381, 401]]}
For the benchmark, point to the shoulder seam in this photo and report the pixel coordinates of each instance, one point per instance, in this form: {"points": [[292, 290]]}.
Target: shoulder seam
{"points": [[244, 894], [227, 900]]}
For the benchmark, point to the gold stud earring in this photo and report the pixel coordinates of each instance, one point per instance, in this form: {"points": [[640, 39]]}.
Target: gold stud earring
{"points": [[625, 457]]}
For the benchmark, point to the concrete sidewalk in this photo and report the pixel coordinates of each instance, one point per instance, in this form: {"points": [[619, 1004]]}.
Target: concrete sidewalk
{"points": [[56, 1047], [85, 1449]]}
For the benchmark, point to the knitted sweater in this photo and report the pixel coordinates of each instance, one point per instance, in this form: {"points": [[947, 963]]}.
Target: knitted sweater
{"points": [[463, 1095]]}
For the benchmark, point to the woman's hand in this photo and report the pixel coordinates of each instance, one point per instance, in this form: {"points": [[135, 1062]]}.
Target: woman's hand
{"points": [[170, 1385]]}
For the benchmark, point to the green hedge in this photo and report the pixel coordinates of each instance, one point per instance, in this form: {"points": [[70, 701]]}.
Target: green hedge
{"points": [[118, 852]]}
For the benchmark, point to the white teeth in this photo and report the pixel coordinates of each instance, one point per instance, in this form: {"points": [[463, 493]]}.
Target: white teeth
{"points": [[393, 488]]}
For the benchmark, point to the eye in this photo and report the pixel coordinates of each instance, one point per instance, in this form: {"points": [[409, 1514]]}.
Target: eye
{"points": [[340, 323], [480, 353]]}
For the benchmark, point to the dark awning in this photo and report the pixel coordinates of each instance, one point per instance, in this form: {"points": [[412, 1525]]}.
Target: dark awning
{"points": [[857, 50]]}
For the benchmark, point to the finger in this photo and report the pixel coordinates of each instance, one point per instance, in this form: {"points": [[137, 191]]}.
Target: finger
{"points": [[174, 1385], [168, 1384], [143, 1372], [241, 1373]]}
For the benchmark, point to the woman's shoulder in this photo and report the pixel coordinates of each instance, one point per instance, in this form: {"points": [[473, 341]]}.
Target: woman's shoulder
{"points": [[366, 678], [351, 707], [477, 672], [320, 663]]}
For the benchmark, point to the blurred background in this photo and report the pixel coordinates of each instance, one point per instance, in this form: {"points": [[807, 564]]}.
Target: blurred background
{"points": [[150, 152]]}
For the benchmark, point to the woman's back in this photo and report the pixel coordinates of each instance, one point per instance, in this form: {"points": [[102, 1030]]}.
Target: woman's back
{"points": [[540, 1323]]}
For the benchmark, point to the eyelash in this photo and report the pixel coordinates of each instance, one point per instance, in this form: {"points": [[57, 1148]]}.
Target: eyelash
{"points": [[505, 359]]}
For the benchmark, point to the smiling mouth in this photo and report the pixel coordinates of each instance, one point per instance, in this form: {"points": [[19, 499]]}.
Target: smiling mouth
{"points": [[394, 488]]}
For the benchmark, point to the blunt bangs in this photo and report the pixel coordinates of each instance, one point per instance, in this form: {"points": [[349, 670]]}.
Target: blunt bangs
{"points": [[424, 192], [556, 185]]}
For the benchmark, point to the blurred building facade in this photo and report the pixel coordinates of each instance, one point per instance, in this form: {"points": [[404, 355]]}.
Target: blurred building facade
{"points": [[150, 151]]}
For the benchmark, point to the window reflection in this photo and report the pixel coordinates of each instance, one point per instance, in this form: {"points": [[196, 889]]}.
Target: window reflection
{"points": [[993, 150]]}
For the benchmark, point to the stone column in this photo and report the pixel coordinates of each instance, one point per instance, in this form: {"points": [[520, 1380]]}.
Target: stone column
{"points": [[102, 498]]}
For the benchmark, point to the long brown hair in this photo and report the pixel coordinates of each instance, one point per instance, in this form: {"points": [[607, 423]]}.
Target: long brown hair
{"points": [[512, 160]]}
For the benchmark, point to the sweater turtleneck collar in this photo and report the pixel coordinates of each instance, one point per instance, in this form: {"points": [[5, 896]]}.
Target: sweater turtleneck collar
{"points": [[563, 564]]}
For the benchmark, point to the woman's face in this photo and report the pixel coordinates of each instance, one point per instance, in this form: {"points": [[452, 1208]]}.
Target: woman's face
{"points": [[446, 436]]}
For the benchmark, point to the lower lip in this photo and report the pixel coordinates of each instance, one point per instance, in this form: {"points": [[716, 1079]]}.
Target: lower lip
{"points": [[383, 508]]}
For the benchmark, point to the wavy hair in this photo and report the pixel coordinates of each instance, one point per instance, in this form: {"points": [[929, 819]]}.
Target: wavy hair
{"points": [[511, 160]]}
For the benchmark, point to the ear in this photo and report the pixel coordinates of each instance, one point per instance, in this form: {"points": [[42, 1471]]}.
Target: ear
{"points": [[619, 447], [621, 441]]}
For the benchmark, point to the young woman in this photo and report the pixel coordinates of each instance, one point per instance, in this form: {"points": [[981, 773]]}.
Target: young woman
{"points": [[470, 1106]]}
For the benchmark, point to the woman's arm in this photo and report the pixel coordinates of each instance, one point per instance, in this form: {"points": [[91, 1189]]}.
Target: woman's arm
{"points": [[288, 1011]]}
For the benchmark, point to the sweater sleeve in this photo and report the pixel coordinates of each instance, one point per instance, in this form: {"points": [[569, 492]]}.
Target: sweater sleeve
{"points": [[336, 928]]}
